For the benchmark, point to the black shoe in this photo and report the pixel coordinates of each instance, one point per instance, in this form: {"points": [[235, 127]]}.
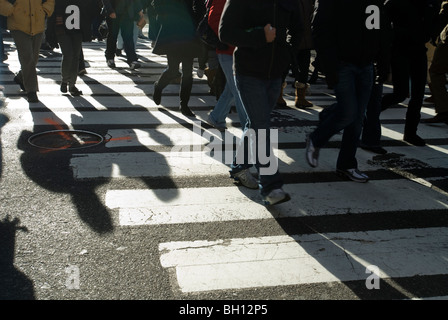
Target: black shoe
{"points": [[377, 150], [111, 63], [32, 97], [186, 111], [415, 140], [438, 118], [19, 82], [75, 91], [353, 174], [311, 153], [135, 65], [64, 87], [157, 95]]}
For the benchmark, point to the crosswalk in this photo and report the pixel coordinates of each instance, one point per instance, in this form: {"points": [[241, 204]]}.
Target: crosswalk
{"points": [[332, 231]]}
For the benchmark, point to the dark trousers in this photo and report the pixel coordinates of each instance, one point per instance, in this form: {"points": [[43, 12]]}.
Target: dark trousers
{"points": [[172, 72], [302, 66], [71, 46], [126, 26], [409, 64], [438, 72], [371, 132], [352, 93], [28, 51]]}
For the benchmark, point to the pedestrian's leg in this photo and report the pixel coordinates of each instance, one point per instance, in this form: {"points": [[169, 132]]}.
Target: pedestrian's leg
{"points": [[76, 43], [343, 113], [438, 72], [65, 44], [259, 98], [186, 85], [111, 41], [371, 133], [400, 80], [28, 51], [418, 81], [170, 73], [350, 137], [127, 33]]}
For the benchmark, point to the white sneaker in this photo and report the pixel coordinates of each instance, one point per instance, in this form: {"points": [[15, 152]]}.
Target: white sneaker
{"points": [[246, 179], [276, 196]]}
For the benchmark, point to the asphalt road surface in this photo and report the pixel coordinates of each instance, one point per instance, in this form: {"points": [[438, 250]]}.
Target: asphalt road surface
{"points": [[108, 196]]}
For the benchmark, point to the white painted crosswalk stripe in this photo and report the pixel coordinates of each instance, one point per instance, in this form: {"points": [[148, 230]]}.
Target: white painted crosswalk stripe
{"points": [[199, 163], [303, 259], [195, 205]]}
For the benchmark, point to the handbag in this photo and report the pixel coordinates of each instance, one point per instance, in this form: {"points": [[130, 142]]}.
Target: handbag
{"points": [[141, 23], [103, 29], [206, 33]]}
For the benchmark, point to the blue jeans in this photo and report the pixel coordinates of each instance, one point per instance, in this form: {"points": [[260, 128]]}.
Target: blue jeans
{"points": [[352, 94], [229, 95], [259, 97]]}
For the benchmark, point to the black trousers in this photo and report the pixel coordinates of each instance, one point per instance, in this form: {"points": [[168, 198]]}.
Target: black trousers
{"points": [[408, 65], [126, 25], [172, 72]]}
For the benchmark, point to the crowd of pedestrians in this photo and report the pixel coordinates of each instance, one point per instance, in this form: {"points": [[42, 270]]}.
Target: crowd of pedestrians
{"points": [[359, 45]]}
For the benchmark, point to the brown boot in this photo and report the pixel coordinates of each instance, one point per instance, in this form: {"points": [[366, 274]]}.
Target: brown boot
{"points": [[280, 101], [300, 101]]}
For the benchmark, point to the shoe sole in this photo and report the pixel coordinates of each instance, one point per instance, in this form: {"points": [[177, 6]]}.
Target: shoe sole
{"points": [[351, 178], [285, 199]]}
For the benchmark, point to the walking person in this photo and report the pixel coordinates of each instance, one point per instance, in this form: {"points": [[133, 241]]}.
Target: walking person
{"points": [[411, 20], [347, 54], [230, 95], [26, 21], [259, 29], [177, 40], [303, 57], [439, 69], [71, 28], [3, 54], [121, 15]]}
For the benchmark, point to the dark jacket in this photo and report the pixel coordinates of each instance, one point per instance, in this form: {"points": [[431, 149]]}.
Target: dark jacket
{"points": [[307, 8], [124, 8], [413, 22], [86, 9], [242, 24], [178, 21], [340, 34]]}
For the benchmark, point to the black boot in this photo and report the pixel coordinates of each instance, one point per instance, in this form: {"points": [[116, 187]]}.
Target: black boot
{"points": [[157, 95], [32, 97], [19, 80], [186, 111]]}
